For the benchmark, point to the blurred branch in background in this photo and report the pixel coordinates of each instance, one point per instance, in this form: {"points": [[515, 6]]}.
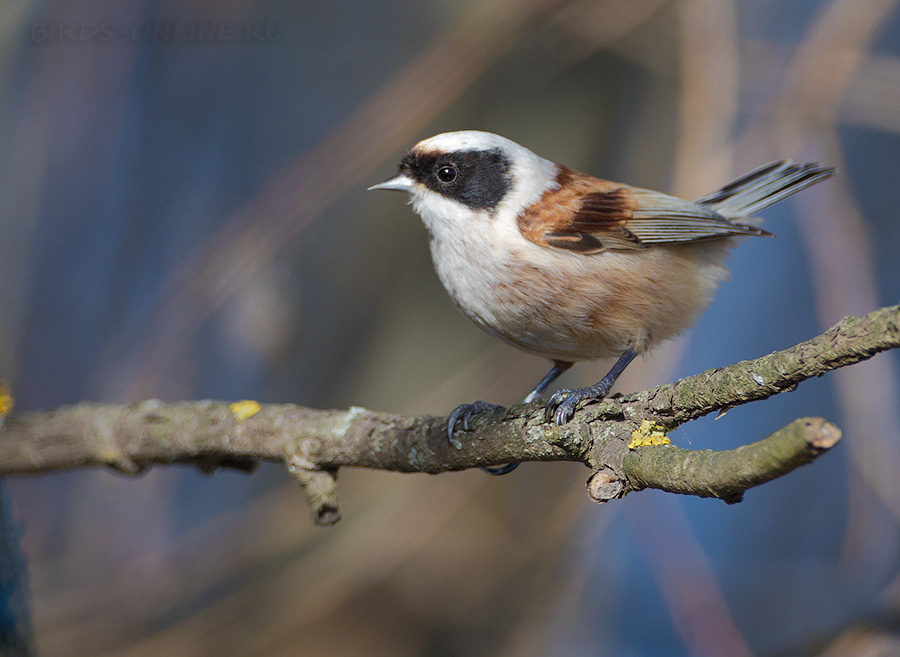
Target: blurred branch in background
{"points": [[686, 579], [805, 118], [708, 98]]}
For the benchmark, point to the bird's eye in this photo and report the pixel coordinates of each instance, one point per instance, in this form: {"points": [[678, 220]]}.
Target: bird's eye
{"points": [[447, 174]]}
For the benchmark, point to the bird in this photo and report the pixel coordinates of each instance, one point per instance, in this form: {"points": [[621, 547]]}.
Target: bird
{"points": [[571, 267]]}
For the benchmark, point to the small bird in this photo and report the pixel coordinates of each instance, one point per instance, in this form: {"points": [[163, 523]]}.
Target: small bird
{"points": [[570, 267]]}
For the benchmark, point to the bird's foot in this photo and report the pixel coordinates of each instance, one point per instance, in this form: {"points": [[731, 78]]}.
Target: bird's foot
{"points": [[561, 406], [464, 412]]}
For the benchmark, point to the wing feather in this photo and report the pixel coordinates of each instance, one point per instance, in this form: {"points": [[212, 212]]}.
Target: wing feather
{"points": [[587, 215]]}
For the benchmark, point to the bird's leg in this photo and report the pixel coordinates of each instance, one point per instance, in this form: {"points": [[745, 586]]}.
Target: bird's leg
{"points": [[558, 368], [561, 406], [465, 411]]}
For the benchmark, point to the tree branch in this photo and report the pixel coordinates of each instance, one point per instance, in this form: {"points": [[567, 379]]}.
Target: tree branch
{"points": [[314, 443], [727, 474]]}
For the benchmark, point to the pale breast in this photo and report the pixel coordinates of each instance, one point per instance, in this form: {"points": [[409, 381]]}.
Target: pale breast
{"points": [[573, 307]]}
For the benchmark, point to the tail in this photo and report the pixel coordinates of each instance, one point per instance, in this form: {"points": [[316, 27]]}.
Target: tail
{"points": [[761, 188]]}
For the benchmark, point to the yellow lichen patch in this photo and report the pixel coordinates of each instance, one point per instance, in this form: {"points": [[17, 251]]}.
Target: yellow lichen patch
{"points": [[243, 409], [6, 399], [649, 433]]}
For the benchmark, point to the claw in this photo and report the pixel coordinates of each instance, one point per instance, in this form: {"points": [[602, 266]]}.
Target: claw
{"points": [[561, 407], [566, 411], [464, 412], [556, 399], [500, 469]]}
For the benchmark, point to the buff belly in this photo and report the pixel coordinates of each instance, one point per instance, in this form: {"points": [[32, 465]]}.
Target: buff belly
{"points": [[571, 307]]}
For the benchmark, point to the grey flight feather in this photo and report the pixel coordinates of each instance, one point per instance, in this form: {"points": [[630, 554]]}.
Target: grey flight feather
{"points": [[761, 188], [660, 218]]}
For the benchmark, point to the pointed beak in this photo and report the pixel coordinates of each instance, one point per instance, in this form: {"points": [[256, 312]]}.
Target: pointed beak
{"points": [[401, 182]]}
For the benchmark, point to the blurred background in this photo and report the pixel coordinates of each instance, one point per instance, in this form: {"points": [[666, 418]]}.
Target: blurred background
{"points": [[184, 216]]}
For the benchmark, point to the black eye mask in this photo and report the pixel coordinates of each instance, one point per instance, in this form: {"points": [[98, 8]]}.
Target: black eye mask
{"points": [[478, 179]]}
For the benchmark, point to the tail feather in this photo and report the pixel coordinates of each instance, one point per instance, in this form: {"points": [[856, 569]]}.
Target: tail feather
{"points": [[763, 187]]}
